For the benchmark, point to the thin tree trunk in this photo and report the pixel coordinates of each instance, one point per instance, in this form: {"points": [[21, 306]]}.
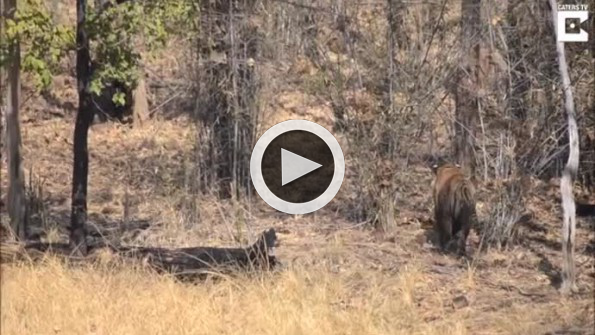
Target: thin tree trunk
{"points": [[140, 105], [393, 27], [17, 206], [2, 34], [570, 171], [466, 91], [84, 118]]}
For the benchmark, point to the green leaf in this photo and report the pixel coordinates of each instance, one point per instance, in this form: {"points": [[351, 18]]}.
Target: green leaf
{"points": [[119, 99], [95, 87]]}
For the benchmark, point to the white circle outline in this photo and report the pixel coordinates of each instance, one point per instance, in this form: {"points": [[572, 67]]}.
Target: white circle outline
{"points": [[256, 167]]}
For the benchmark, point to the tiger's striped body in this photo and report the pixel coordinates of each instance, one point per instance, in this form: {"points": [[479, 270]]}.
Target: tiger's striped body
{"points": [[454, 207]]}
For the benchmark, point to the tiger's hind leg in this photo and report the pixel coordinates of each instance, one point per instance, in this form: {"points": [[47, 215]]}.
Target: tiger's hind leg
{"points": [[444, 230], [461, 243], [461, 239]]}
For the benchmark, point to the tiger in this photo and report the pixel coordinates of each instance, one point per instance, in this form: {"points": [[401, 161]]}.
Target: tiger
{"points": [[454, 207]]}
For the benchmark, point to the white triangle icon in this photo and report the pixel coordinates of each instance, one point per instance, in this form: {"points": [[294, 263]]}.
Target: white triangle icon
{"points": [[295, 166]]}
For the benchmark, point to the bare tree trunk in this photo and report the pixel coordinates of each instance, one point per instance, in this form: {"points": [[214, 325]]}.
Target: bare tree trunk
{"points": [[84, 118], [140, 105], [466, 112], [570, 171], [17, 206], [394, 25], [2, 34]]}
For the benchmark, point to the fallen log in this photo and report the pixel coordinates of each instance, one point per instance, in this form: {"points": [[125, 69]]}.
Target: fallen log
{"points": [[203, 260], [181, 262]]}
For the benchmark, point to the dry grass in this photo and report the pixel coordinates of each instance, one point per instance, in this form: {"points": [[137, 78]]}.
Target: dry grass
{"points": [[110, 299], [102, 300]]}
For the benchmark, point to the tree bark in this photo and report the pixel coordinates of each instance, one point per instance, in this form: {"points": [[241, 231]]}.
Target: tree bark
{"points": [[395, 24], [466, 111], [571, 169], [17, 206], [140, 105], [2, 32], [84, 118]]}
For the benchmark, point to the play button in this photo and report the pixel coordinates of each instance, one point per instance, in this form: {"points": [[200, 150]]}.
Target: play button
{"points": [[294, 166], [297, 166]]}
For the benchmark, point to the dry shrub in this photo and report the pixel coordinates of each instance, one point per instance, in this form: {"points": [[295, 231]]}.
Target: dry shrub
{"points": [[498, 226], [227, 86]]}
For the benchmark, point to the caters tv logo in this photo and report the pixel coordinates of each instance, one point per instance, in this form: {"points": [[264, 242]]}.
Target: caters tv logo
{"points": [[570, 19]]}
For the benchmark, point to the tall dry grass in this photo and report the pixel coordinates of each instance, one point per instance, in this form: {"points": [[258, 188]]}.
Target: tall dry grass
{"points": [[106, 299], [110, 298]]}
